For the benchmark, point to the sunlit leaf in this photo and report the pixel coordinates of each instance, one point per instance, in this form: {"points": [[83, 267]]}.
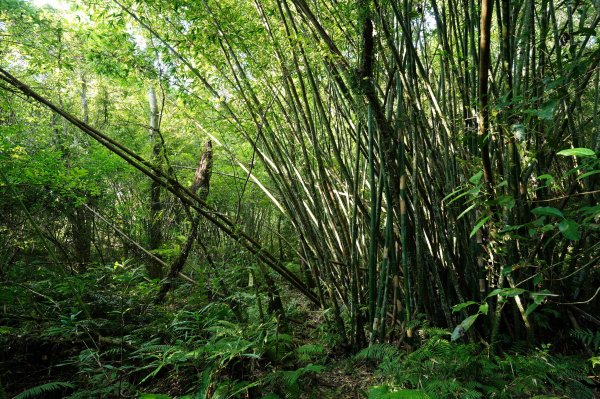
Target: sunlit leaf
{"points": [[484, 308], [577, 152], [461, 306]]}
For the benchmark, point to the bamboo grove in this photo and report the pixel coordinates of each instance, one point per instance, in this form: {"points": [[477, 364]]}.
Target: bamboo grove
{"points": [[414, 147]]}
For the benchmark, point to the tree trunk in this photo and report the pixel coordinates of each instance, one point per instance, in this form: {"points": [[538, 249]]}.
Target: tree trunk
{"points": [[201, 184]]}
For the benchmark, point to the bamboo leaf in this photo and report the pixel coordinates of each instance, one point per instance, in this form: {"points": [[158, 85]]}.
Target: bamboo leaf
{"points": [[479, 225], [538, 297], [546, 177], [588, 174], [463, 213], [512, 292], [447, 197], [507, 201], [507, 292]]}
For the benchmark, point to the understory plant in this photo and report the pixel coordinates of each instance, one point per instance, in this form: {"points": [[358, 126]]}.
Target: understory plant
{"points": [[130, 346], [442, 369]]}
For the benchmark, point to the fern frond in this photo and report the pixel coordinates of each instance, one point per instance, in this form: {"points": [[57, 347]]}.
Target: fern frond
{"points": [[155, 349], [308, 351], [44, 389], [587, 337], [378, 352], [292, 378]]}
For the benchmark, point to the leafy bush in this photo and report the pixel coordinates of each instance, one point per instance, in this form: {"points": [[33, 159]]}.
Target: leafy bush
{"points": [[442, 369]]}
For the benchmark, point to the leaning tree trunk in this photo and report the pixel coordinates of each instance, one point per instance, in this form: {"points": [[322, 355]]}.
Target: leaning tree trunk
{"points": [[201, 185]]}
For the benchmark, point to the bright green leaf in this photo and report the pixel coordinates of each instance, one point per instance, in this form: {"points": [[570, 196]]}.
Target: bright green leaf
{"points": [[479, 225], [463, 327], [547, 227], [494, 293], [577, 152], [457, 333], [512, 292], [484, 308], [461, 306], [538, 297], [476, 177]]}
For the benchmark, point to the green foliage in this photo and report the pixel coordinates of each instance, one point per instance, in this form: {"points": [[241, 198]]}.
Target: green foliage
{"points": [[537, 298], [578, 152], [587, 337], [442, 369], [310, 352], [378, 352], [287, 383], [592, 340], [384, 392], [44, 389], [131, 346]]}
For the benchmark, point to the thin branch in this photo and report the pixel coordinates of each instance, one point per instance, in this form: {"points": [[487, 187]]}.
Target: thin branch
{"points": [[582, 302]]}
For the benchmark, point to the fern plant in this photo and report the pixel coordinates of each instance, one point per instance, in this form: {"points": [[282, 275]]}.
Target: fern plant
{"points": [[591, 340], [287, 383], [44, 389], [587, 337], [310, 352], [384, 392], [443, 369]]}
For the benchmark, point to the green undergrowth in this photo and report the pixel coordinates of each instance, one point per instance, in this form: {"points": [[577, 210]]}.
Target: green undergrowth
{"points": [[129, 347], [442, 369], [124, 345]]}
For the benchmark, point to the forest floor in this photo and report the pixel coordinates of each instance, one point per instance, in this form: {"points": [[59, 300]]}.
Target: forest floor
{"points": [[188, 345], [342, 381]]}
